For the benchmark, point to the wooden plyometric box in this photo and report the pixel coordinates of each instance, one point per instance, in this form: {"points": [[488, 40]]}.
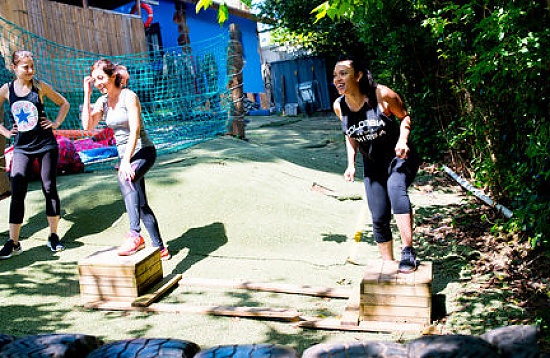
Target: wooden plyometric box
{"points": [[105, 276], [387, 295]]}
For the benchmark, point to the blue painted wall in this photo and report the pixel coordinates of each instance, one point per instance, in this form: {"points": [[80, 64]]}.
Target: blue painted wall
{"points": [[203, 26]]}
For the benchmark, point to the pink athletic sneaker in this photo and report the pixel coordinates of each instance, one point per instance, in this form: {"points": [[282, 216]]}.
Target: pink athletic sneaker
{"points": [[165, 254], [131, 245]]}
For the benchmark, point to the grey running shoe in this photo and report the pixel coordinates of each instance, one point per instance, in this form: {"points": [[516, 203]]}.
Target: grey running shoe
{"points": [[10, 249], [54, 244], [408, 262]]}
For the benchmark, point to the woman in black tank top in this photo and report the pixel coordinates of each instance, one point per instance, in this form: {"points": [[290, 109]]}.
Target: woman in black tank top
{"points": [[33, 140], [376, 124]]}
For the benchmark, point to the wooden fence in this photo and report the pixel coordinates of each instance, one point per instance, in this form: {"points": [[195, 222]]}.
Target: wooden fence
{"points": [[91, 30]]}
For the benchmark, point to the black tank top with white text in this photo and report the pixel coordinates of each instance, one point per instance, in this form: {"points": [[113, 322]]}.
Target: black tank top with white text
{"points": [[375, 133], [27, 112]]}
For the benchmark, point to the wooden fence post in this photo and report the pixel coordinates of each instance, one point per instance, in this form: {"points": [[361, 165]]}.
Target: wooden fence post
{"points": [[235, 74]]}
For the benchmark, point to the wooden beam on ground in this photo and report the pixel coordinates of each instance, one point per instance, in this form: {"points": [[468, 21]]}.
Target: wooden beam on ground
{"points": [[157, 291], [363, 326], [351, 315], [269, 287], [233, 311]]}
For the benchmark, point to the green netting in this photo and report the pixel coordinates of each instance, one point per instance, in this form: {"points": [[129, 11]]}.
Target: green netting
{"points": [[183, 91]]}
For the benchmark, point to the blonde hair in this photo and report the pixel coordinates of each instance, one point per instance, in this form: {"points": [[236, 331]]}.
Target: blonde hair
{"points": [[17, 56]]}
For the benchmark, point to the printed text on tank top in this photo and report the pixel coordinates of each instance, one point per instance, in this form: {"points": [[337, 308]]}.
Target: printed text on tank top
{"points": [[370, 128]]}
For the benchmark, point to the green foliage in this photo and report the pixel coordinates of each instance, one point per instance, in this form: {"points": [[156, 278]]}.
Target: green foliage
{"points": [[292, 27], [474, 74], [498, 55], [223, 10]]}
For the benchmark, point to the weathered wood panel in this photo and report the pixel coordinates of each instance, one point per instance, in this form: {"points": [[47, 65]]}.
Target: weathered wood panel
{"points": [[91, 30]]}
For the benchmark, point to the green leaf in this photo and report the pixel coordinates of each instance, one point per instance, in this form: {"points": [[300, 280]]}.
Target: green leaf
{"points": [[321, 11], [223, 13], [204, 4]]}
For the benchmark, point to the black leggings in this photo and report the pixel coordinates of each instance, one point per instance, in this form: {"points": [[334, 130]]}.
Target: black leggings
{"points": [[386, 190], [19, 175], [135, 199]]}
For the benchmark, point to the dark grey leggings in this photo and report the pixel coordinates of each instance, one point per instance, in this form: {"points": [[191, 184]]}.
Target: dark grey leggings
{"points": [[386, 190], [19, 175], [135, 198]]}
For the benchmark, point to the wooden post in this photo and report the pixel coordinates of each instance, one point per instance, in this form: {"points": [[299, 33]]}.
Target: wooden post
{"points": [[180, 19], [235, 73], [5, 188]]}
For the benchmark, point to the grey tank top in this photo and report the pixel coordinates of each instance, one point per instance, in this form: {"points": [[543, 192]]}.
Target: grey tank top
{"points": [[117, 119]]}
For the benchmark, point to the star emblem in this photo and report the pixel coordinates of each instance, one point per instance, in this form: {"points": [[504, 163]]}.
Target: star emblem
{"points": [[23, 117]]}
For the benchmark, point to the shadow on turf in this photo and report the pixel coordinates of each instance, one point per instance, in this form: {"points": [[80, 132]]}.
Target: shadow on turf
{"points": [[200, 242]]}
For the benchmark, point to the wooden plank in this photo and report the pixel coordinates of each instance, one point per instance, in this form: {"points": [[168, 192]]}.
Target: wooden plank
{"points": [[143, 268], [269, 287], [109, 291], [424, 274], [363, 326], [159, 290], [386, 272], [78, 30], [422, 291], [395, 311], [98, 277], [396, 300], [396, 319], [109, 257], [23, 15], [107, 288], [383, 277], [96, 38], [232, 311], [351, 315], [113, 44]]}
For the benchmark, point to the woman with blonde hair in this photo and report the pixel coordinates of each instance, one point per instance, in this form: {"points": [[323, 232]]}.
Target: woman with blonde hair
{"points": [[33, 140]]}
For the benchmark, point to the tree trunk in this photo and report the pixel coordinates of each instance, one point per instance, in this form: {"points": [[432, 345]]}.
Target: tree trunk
{"points": [[180, 18], [235, 72]]}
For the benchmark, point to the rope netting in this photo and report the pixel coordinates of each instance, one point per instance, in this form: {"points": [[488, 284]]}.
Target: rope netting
{"points": [[183, 91]]}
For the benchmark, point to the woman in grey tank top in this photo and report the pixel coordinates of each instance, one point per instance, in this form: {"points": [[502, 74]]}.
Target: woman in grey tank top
{"points": [[121, 109]]}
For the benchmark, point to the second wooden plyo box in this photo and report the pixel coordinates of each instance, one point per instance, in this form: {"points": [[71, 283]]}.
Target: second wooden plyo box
{"points": [[387, 295], [105, 276]]}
